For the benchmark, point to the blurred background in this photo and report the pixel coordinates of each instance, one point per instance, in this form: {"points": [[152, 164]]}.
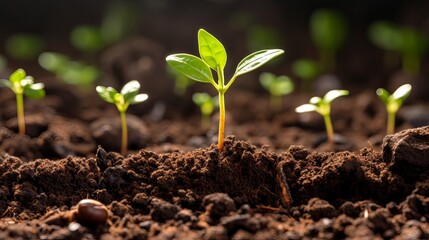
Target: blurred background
{"points": [[359, 44]]}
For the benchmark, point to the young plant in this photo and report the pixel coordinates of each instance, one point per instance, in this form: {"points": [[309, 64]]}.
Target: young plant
{"points": [[213, 57], [207, 104], [393, 103], [323, 107], [278, 86], [307, 70], [21, 85], [128, 95], [328, 31]]}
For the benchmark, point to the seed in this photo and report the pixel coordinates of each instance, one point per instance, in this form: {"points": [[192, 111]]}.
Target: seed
{"points": [[91, 212]]}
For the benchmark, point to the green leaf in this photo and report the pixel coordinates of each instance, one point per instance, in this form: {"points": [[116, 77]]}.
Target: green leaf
{"points": [[211, 50], [35, 91], [255, 60], [138, 98], [306, 69], [306, 108], [333, 94], [107, 94], [383, 94], [266, 80], [316, 100], [130, 90], [191, 66], [5, 83], [283, 86], [328, 29], [28, 80], [201, 98], [52, 61], [17, 76], [402, 92]]}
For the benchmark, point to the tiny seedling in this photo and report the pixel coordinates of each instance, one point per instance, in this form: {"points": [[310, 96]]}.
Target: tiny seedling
{"points": [[328, 31], [323, 107], [213, 57], [21, 85], [181, 81], [393, 103], [129, 95], [207, 104], [277, 86], [307, 70]]}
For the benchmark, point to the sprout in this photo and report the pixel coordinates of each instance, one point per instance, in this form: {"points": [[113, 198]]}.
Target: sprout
{"points": [[181, 81], [307, 70], [278, 86], [328, 31], [71, 72], [393, 103], [207, 104], [213, 58], [323, 107], [128, 96], [21, 85]]}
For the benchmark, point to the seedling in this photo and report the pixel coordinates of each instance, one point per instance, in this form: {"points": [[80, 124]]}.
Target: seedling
{"points": [[278, 86], [328, 31], [181, 81], [393, 103], [410, 43], [307, 70], [21, 85], [213, 57], [323, 107], [207, 104], [128, 96]]}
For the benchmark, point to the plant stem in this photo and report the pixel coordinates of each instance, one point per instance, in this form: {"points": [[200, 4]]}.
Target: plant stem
{"points": [[20, 113], [221, 121], [390, 123], [276, 103], [329, 129], [124, 133]]}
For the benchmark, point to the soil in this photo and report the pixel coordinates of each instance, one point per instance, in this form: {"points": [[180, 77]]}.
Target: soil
{"points": [[277, 177]]}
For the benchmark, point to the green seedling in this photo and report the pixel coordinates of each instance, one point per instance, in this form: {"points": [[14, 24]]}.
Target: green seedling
{"points": [[213, 57], [277, 86], [128, 95], [307, 70], [393, 103], [181, 81], [71, 72], [24, 46], [323, 107], [207, 104], [328, 32], [410, 43], [21, 85]]}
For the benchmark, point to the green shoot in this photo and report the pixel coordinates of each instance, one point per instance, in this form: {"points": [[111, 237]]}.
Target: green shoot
{"points": [[207, 104], [307, 70], [410, 43], [123, 99], [278, 86], [393, 103], [71, 72], [181, 81], [213, 58], [21, 85], [323, 107], [328, 31], [24, 46]]}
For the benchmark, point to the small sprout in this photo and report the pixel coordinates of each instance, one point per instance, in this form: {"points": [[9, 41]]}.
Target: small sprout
{"points": [[307, 70], [91, 212], [181, 81], [323, 107], [278, 86], [213, 58], [128, 96], [24, 46], [207, 104], [21, 85], [328, 31], [393, 103], [71, 72]]}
